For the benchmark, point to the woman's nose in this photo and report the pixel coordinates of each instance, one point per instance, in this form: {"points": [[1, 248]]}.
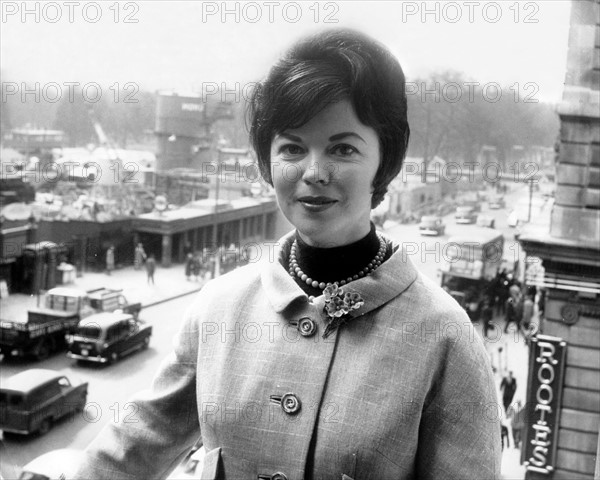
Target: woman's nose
{"points": [[316, 169]]}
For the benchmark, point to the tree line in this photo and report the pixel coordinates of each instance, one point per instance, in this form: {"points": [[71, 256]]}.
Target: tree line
{"points": [[450, 116]]}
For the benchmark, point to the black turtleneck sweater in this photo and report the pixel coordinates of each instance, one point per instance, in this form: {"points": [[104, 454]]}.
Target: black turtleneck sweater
{"points": [[337, 263]]}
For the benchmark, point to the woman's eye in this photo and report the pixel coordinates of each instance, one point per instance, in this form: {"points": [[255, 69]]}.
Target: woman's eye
{"points": [[344, 150], [290, 149]]}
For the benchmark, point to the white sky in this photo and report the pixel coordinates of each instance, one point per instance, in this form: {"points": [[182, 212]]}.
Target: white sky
{"points": [[173, 46]]}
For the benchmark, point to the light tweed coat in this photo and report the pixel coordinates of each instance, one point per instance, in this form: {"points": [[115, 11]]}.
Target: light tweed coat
{"points": [[402, 391]]}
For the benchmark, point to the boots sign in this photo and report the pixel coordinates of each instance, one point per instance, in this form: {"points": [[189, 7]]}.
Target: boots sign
{"points": [[546, 372]]}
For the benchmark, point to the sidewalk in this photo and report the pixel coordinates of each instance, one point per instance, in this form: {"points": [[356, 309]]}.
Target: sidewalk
{"points": [[169, 283], [508, 352]]}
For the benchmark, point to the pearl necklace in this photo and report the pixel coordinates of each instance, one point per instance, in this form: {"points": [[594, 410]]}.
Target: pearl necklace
{"points": [[296, 271]]}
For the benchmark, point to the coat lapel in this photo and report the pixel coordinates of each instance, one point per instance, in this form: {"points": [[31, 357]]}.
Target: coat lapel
{"points": [[392, 278]]}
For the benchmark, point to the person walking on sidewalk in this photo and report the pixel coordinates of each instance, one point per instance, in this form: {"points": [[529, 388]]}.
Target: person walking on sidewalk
{"points": [[508, 387], [139, 256], [150, 267], [515, 415], [514, 308], [189, 265], [196, 267], [528, 311], [487, 313], [110, 259]]}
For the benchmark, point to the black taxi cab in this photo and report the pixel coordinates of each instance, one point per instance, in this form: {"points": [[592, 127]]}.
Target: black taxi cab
{"points": [[108, 336]]}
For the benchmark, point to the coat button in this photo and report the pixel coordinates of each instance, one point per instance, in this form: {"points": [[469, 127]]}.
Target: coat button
{"points": [[279, 476], [290, 403], [307, 327]]}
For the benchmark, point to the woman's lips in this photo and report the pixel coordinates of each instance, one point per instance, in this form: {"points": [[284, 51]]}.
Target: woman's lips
{"points": [[316, 204]]}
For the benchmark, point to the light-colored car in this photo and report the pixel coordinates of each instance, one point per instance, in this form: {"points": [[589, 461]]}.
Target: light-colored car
{"points": [[53, 465], [486, 221], [540, 207], [431, 225], [497, 202], [465, 215]]}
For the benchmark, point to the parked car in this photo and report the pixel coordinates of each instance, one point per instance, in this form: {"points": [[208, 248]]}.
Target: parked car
{"points": [[53, 465], [431, 225], [465, 215], [31, 401], [486, 221], [496, 203], [527, 209], [106, 337]]}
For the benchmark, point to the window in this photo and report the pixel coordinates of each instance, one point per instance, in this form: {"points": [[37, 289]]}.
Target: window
{"points": [[12, 399], [61, 302], [64, 382], [117, 331], [90, 331], [45, 392], [113, 333]]}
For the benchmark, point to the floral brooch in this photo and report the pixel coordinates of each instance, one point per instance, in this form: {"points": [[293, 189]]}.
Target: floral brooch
{"points": [[338, 305]]}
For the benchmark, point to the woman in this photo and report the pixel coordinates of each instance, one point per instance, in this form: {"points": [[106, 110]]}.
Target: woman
{"points": [[336, 359]]}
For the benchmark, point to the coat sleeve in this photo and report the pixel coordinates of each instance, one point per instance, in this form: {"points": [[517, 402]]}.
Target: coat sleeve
{"points": [[165, 425], [459, 435]]}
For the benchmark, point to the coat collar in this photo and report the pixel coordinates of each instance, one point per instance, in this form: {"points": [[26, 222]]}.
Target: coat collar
{"points": [[393, 277]]}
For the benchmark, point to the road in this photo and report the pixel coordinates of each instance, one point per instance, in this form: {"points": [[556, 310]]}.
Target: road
{"points": [[427, 253], [109, 388]]}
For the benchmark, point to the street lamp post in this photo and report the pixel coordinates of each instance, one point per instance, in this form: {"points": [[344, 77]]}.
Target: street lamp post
{"points": [[217, 263]]}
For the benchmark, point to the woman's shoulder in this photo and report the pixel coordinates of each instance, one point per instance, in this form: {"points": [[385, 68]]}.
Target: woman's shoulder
{"points": [[235, 281]]}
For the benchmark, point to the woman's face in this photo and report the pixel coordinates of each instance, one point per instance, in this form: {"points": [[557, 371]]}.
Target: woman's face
{"points": [[323, 176]]}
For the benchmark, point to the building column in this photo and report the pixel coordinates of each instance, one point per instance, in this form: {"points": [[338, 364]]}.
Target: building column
{"points": [[166, 250]]}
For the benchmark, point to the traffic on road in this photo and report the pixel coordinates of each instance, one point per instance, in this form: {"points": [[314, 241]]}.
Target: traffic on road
{"points": [[467, 260]]}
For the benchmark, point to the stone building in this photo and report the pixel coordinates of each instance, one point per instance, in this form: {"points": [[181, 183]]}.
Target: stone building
{"points": [[564, 374]]}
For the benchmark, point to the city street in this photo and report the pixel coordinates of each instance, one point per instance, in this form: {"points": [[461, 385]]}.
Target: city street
{"points": [[111, 386]]}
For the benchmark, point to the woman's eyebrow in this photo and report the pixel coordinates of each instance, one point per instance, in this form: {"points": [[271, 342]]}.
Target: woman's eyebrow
{"points": [[289, 136], [339, 136]]}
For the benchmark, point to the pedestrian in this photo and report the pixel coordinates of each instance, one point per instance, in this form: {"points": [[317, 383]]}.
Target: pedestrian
{"points": [[514, 308], [110, 259], [150, 267], [508, 387], [487, 313], [196, 266], [501, 288], [504, 434], [139, 256], [189, 263], [528, 310], [333, 402], [541, 301], [516, 415]]}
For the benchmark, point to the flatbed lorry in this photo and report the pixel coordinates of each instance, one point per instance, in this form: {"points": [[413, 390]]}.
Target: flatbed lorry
{"points": [[44, 330]]}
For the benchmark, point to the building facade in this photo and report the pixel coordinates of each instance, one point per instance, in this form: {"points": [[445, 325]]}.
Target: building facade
{"points": [[564, 377]]}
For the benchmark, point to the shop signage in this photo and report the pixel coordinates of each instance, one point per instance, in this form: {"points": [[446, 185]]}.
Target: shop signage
{"points": [[544, 392]]}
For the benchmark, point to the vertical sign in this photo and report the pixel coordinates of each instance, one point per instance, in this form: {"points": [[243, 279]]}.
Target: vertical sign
{"points": [[544, 392]]}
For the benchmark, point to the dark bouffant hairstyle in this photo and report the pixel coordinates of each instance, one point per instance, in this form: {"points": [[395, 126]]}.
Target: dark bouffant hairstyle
{"points": [[326, 68]]}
